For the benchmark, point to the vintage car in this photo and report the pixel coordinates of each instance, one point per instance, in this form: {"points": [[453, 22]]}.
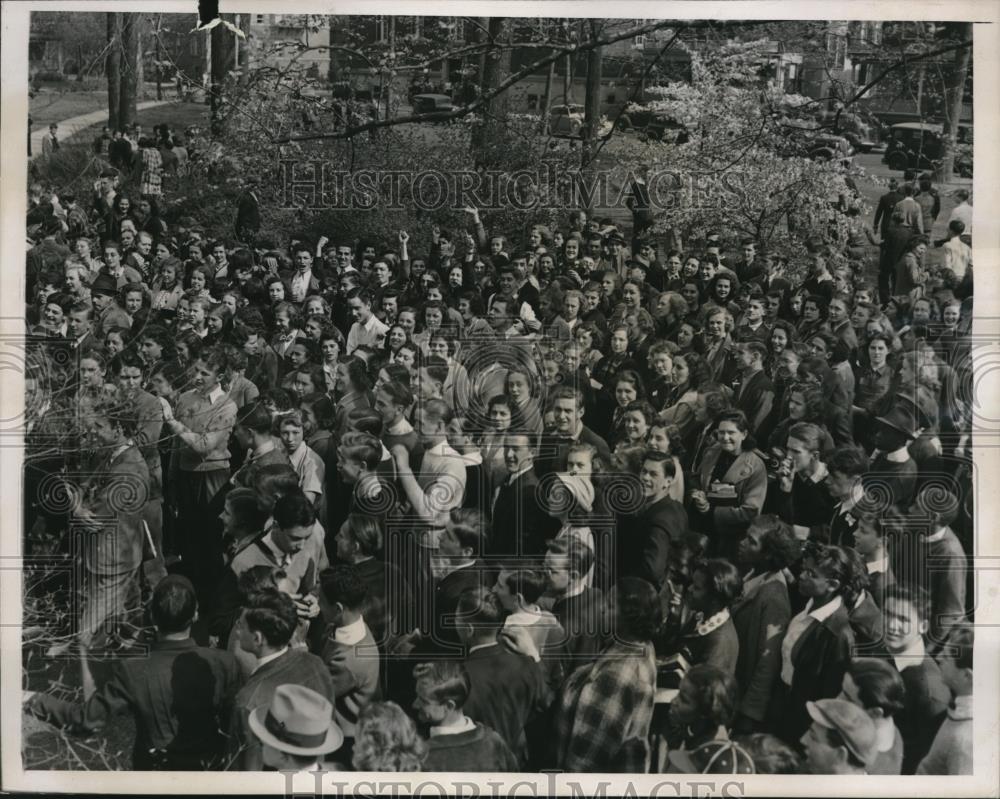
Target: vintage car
{"points": [[432, 104], [920, 145], [566, 122], [809, 138], [651, 126], [863, 132]]}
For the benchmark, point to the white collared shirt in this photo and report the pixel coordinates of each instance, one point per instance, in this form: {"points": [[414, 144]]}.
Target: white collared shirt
{"points": [[797, 627], [524, 617], [400, 428], [901, 455], [269, 658], [936, 536], [444, 450], [913, 655], [482, 646], [880, 566], [283, 558], [857, 494], [352, 633], [820, 474], [370, 334], [465, 725], [216, 394], [300, 285]]}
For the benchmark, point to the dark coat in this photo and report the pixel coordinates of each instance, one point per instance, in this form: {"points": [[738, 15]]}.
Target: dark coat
{"points": [[821, 657], [642, 541], [556, 462], [446, 596], [756, 397], [180, 694], [481, 749], [247, 217], [719, 648], [520, 525], [583, 618], [927, 699], [508, 690], [866, 622], [761, 619], [295, 666]]}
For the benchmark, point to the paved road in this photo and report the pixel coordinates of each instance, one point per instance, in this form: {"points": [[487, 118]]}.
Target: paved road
{"points": [[68, 127]]}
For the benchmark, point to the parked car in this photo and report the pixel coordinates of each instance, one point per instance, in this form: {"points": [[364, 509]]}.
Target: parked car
{"points": [[808, 138], [566, 120], [650, 126], [861, 131], [920, 145], [829, 147], [432, 104]]}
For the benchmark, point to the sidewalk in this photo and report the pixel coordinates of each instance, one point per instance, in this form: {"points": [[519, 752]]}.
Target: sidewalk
{"points": [[69, 127]]}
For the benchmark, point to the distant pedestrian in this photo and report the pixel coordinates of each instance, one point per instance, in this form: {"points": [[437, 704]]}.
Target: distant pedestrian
{"points": [[151, 180], [50, 143]]}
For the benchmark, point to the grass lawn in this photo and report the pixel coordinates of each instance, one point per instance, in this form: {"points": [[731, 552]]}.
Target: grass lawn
{"points": [[57, 105]]}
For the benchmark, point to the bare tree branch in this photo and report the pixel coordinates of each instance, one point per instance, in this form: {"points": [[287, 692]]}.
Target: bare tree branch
{"points": [[500, 88]]}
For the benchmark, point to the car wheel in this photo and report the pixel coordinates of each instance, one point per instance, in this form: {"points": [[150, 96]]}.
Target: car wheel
{"points": [[898, 162]]}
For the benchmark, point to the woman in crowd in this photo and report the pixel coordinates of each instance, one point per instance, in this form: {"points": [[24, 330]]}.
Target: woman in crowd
{"points": [[772, 621]]}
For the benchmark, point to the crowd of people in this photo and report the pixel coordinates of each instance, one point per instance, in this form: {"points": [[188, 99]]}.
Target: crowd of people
{"points": [[554, 499]]}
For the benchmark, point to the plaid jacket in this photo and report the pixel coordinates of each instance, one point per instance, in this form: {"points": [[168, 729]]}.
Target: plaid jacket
{"points": [[152, 172], [602, 718]]}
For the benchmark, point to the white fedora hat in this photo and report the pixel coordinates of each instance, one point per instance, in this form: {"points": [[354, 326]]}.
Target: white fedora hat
{"points": [[298, 721]]}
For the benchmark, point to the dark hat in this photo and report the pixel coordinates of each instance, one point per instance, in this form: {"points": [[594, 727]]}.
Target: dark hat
{"points": [[109, 173], [853, 724], [614, 235], [104, 284], [51, 226], [901, 417]]}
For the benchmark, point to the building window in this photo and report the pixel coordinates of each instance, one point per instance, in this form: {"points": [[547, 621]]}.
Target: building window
{"points": [[259, 19], [532, 102], [610, 99]]}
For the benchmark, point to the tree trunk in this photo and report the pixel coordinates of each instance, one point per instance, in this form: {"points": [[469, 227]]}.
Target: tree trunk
{"points": [[333, 70], [547, 97], [954, 93], [244, 51], [390, 77], [592, 101], [140, 62], [159, 71], [113, 69], [79, 63], [222, 61], [568, 80], [489, 136], [128, 86]]}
